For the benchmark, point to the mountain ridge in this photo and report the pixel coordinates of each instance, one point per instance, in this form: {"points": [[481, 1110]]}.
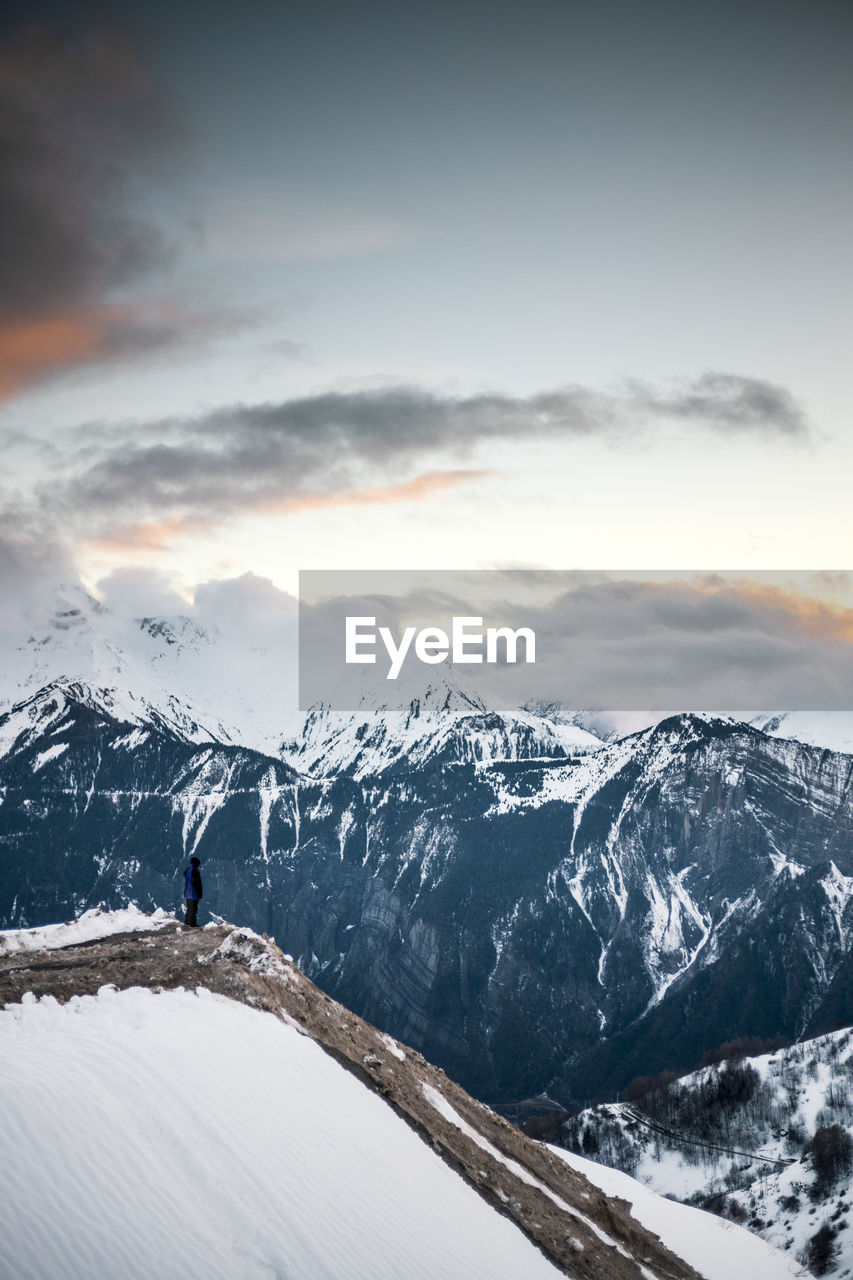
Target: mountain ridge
{"points": [[529, 924]]}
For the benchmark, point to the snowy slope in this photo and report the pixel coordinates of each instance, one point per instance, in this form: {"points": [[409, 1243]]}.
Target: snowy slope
{"points": [[718, 1249], [86, 928], [740, 1137], [157, 1132], [184, 1133]]}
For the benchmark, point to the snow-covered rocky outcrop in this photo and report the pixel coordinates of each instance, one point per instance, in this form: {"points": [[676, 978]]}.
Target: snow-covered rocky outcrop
{"points": [[187, 1102]]}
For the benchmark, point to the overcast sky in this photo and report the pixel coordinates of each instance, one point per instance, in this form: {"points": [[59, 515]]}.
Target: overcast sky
{"points": [[451, 285]]}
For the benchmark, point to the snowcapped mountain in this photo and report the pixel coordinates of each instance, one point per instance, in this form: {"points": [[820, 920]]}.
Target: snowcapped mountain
{"points": [[766, 1141], [532, 908], [529, 924], [168, 671], [443, 722], [206, 687], [832, 729], [154, 1075], [50, 708], [209, 687]]}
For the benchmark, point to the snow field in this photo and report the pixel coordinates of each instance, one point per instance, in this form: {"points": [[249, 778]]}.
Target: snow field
{"points": [[185, 1134]]}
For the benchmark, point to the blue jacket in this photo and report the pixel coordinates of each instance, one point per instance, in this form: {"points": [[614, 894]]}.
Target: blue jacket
{"points": [[192, 882]]}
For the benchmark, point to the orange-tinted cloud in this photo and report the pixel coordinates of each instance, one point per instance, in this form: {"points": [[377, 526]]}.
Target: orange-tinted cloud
{"points": [[31, 348], [417, 490], [778, 608], [151, 535], [37, 348], [813, 617], [159, 535], [77, 117]]}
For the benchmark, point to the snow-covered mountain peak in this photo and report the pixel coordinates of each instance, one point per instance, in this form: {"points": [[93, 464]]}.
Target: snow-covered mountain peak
{"points": [[177, 630], [167, 670], [51, 710], [444, 721], [691, 725]]}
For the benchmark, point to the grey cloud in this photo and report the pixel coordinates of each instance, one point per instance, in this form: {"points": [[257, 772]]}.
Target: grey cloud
{"points": [[270, 223], [75, 118], [31, 551], [251, 609], [133, 592], [33, 563], [610, 643], [246, 456], [728, 402], [83, 131], [679, 646], [288, 348]]}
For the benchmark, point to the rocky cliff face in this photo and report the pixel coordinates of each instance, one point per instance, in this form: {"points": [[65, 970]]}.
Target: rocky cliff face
{"points": [[560, 924]]}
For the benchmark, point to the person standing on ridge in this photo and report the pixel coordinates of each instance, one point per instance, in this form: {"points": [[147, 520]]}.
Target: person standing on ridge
{"points": [[192, 892]]}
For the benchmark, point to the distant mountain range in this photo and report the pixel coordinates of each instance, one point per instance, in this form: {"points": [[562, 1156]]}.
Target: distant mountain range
{"points": [[533, 908]]}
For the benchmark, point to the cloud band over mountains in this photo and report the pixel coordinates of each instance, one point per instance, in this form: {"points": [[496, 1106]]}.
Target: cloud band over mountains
{"points": [[382, 445]]}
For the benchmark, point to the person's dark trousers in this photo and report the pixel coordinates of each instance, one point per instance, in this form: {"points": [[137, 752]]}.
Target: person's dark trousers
{"points": [[192, 912]]}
